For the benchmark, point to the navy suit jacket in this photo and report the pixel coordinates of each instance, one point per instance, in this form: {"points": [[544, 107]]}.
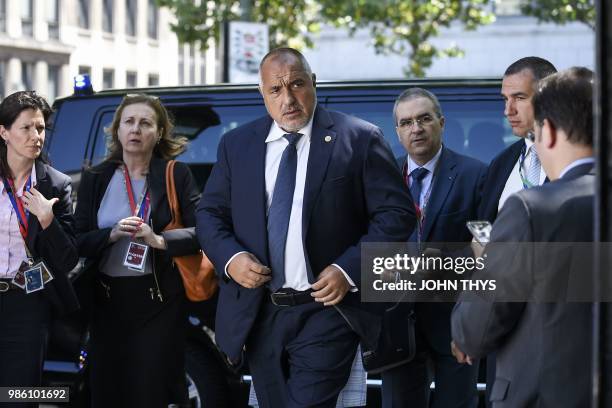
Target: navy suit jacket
{"points": [[353, 194], [499, 171], [454, 200]]}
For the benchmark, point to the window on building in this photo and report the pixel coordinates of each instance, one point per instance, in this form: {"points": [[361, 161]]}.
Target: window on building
{"points": [[202, 67], [2, 78], [107, 16], [153, 80], [84, 13], [27, 19], [130, 79], [152, 19], [27, 75], [108, 79], [3, 16], [181, 66], [192, 67], [130, 17], [53, 18], [53, 78]]}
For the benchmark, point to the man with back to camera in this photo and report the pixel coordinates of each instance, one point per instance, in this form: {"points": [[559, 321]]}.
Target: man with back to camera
{"points": [[540, 362], [445, 187], [283, 215]]}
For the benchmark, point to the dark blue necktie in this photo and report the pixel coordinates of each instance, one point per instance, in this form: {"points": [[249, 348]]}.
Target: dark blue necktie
{"points": [[417, 177], [280, 211]]}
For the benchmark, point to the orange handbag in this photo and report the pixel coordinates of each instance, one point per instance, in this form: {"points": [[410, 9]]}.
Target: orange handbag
{"points": [[196, 270]]}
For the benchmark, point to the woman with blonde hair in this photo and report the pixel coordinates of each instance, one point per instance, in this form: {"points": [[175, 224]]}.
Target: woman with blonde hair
{"points": [[137, 333]]}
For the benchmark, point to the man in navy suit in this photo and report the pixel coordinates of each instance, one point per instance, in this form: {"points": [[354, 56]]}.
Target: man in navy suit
{"points": [[283, 215], [509, 171], [517, 167], [445, 187], [542, 338]]}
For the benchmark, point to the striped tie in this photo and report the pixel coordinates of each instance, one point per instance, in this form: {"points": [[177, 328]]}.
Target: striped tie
{"points": [[533, 173]]}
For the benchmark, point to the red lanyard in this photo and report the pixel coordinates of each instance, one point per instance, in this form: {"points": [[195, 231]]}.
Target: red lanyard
{"points": [[144, 200], [22, 214]]}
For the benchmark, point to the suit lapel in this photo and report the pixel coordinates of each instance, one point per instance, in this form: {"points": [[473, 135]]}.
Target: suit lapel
{"points": [[254, 165], [443, 182], [322, 141], [157, 183], [44, 187]]}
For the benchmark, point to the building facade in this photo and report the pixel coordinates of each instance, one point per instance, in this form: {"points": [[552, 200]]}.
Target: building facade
{"points": [[119, 43]]}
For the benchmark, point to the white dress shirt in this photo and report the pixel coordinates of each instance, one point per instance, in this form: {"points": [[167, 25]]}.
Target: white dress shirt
{"points": [[12, 247], [296, 272], [514, 182]]}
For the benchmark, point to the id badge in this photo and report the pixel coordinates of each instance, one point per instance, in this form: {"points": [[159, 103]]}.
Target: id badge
{"points": [[136, 256], [19, 278], [34, 279]]}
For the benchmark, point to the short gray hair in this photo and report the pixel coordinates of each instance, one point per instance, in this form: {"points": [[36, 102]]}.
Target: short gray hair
{"points": [[414, 93], [283, 51]]}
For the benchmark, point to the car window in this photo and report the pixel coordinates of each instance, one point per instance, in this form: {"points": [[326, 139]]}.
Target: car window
{"points": [[202, 125], [475, 128]]}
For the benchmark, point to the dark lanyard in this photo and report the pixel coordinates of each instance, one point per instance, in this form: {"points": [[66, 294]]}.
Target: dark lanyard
{"points": [[144, 200], [22, 214], [526, 183]]}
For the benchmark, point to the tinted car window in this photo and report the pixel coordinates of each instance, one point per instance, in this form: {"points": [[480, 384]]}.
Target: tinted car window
{"points": [[202, 125], [475, 128]]}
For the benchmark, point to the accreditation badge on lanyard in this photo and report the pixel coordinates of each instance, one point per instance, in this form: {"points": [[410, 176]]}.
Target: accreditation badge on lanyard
{"points": [[31, 276], [136, 254]]}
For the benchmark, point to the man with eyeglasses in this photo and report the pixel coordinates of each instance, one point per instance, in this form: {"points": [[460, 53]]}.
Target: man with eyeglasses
{"points": [[445, 187], [537, 320]]}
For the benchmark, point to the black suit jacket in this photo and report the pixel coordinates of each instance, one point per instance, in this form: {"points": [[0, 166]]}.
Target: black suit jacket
{"points": [[497, 176], [92, 240], [353, 194], [543, 349], [56, 244]]}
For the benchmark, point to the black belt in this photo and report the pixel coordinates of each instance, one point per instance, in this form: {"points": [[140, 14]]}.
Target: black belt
{"points": [[6, 285], [291, 297]]}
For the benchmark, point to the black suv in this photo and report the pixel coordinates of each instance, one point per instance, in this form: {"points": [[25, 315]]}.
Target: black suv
{"points": [[474, 126]]}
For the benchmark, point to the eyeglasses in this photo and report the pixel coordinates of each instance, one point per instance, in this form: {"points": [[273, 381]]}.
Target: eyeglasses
{"points": [[531, 136], [421, 121]]}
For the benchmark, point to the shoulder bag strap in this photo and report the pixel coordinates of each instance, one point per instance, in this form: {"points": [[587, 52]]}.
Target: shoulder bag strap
{"points": [[171, 192]]}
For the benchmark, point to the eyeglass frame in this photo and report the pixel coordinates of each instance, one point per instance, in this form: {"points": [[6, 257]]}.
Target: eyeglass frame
{"points": [[422, 121]]}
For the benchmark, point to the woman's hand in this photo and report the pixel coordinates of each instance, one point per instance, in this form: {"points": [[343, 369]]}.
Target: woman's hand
{"points": [[136, 227], [38, 205]]}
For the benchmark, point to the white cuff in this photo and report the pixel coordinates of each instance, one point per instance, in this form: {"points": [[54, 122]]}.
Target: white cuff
{"points": [[353, 288], [230, 260]]}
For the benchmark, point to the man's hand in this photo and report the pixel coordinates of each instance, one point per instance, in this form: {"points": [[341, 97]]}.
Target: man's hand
{"points": [[477, 248], [248, 272], [460, 355], [331, 286]]}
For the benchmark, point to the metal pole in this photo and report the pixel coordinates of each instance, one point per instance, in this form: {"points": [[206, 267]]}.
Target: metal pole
{"points": [[602, 316]]}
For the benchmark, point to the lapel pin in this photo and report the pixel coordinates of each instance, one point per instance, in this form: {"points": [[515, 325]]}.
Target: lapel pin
{"points": [[328, 139]]}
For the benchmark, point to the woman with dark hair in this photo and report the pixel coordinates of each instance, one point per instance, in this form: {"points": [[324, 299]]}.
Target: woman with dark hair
{"points": [[37, 244], [122, 209]]}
